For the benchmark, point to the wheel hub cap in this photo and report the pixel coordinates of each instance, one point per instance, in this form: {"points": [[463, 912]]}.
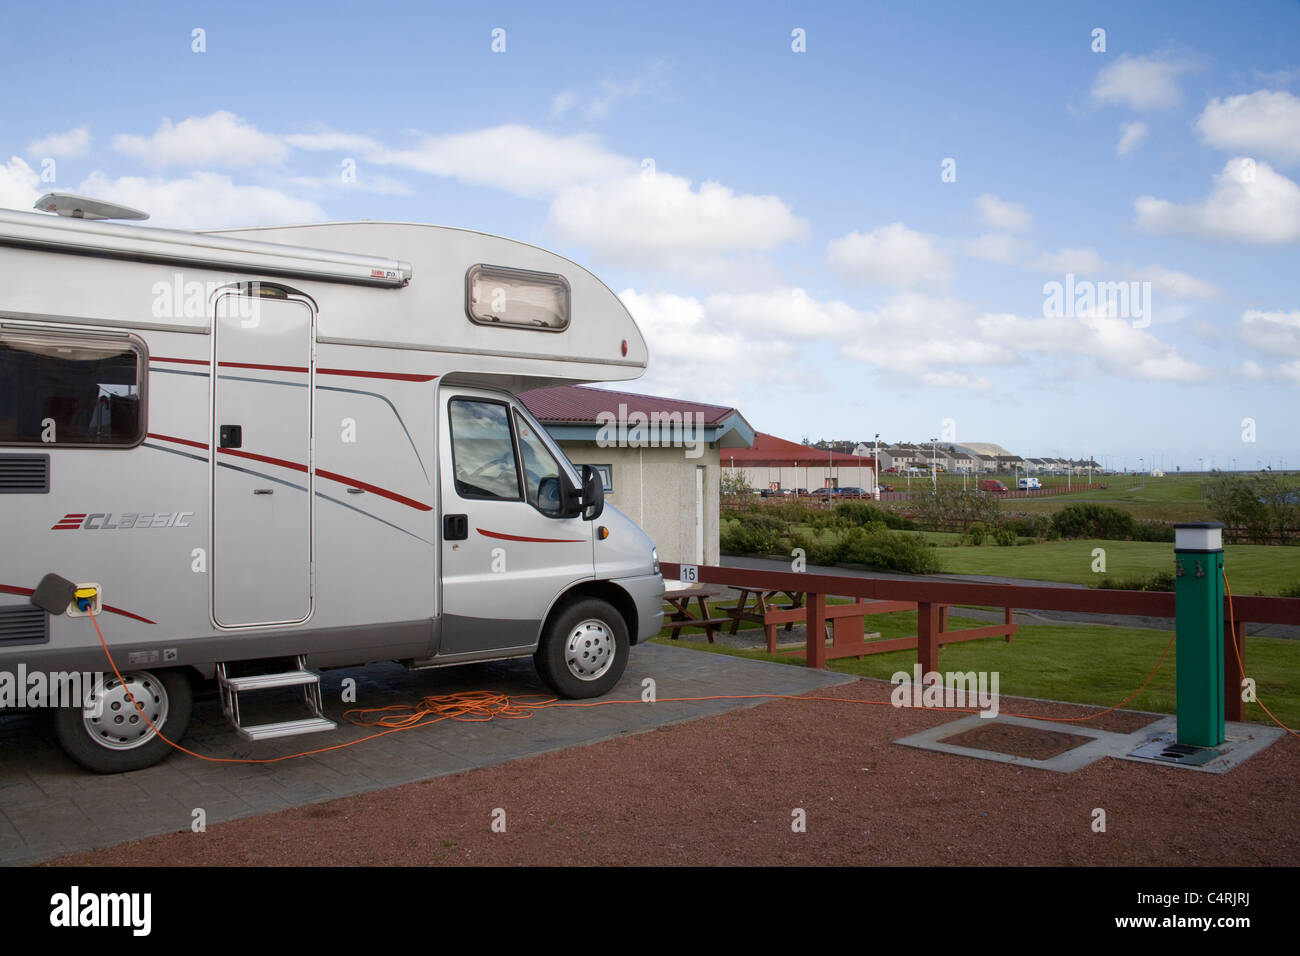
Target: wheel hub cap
{"points": [[114, 722], [589, 651]]}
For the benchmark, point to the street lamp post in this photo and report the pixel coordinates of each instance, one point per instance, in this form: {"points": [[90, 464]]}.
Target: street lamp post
{"points": [[934, 470], [876, 465]]}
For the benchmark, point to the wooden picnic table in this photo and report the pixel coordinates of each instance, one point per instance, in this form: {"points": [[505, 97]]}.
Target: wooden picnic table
{"points": [[762, 597], [681, 616]]}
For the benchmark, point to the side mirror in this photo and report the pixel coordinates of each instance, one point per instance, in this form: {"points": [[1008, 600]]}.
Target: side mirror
{"points": [[550, 501], [593, 494]]}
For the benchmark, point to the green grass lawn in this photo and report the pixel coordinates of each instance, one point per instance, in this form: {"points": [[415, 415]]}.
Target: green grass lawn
{"points": [[1086, 664], [1251, 568]]}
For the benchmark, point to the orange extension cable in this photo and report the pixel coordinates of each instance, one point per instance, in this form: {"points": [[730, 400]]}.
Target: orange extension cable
{"points": [[479, 705]]}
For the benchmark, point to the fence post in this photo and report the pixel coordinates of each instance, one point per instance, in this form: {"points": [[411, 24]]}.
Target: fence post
{"points": [[1233, 708], [816, 607], [927, 637]]}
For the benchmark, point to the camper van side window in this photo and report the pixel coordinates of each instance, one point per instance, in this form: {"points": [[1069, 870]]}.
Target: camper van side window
{"points": [[517, 298], [483, 450], [71, 390], [539, 465]]}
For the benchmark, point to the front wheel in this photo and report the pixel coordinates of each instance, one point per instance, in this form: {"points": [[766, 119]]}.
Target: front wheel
{"points": [[584, 650], [110, 735]]}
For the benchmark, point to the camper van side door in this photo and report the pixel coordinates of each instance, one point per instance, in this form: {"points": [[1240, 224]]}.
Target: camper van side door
{"points": [[522, 547]]}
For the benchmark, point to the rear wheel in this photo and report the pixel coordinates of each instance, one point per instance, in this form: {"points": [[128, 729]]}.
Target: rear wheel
{"points": [[111, 735], [584, 650]]}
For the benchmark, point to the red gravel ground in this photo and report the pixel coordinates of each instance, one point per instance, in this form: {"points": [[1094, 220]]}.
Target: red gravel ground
{"points": [[722, 791]]}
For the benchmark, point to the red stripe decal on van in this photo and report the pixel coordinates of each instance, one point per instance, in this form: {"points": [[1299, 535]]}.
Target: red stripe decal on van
{"points": [[321, 472], [263, 458], [520, 537], [179, 361], [393, 376], [14, 589], [179, 441], [268, 368], [374, 489]]}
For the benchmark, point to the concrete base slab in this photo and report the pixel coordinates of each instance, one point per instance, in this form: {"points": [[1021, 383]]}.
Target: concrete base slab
{"points": [[1243, 741]]}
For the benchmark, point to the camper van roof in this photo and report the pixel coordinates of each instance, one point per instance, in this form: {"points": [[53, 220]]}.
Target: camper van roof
{"points": [[204, 250]]}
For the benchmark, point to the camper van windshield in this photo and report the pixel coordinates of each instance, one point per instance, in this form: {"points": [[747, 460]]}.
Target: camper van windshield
{"points": [[69, 390]]}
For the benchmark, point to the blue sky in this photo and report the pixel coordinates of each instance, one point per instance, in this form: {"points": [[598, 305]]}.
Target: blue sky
{"points": [[777, 221]]}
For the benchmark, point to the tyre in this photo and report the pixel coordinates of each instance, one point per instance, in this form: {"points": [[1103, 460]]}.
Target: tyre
{"points": [[584, 650], [114, 738]]}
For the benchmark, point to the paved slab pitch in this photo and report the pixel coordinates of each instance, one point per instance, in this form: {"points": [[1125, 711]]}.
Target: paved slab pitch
{"points": [[50, 807]]}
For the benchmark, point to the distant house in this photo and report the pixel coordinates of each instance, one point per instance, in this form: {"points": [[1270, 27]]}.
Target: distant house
{"points": [[776, 463], [659, 458], [900, 455]]}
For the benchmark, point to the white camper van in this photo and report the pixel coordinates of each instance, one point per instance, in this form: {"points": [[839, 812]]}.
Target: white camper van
{"points": [[254, 454]]}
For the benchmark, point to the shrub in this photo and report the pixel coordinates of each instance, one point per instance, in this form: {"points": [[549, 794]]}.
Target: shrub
{"points": [[1160, 581], [1029, 526], [1004, 536], [751, 534], [1094, 521], [976, 533], [891, 551]]}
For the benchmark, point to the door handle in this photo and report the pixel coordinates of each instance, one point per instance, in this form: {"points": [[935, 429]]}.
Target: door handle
{"points": [[455, 527], [263, 491]]}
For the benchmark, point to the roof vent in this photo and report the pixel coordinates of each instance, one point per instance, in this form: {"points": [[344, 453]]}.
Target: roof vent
{"points": [[83, 207]]}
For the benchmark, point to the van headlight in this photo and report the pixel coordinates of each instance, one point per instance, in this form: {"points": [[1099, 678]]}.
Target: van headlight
{"points": [[654, 560]]}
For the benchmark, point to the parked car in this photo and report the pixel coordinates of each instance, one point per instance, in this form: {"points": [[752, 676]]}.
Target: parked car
{"points": [[886, 487], [852, 492], [892, 471], [993, 486]]}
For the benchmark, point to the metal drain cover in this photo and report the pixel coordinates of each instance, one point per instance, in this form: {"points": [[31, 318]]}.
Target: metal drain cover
{"points": [[1166, 748]]}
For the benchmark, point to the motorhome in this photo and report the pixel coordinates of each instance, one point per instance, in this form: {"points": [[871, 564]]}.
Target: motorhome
{"points": [[255, 454]]}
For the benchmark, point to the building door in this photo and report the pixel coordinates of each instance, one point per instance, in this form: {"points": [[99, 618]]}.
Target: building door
{"points": [[699, 514], [260, 559]]}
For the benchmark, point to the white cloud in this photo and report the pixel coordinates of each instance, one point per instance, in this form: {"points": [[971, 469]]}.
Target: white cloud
{"points": [[203, 201], [1180, 285], [333, 141], [1083, 261], [1140, 82], [519, 159], [1250, 202], [220, 139], [610, 90], [365, 182], [75, 142], [1262, 122], [1110, 344], [786, 313], [1130, 135], [1275, 333], [893, 255], [997, 247], [1000, 214], [561, 103], [660, 218], [20, 186], [688, 347]]}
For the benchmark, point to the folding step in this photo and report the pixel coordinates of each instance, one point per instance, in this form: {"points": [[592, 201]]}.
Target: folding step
{"points": [[268, 681], [231, 687], [286, 728]]}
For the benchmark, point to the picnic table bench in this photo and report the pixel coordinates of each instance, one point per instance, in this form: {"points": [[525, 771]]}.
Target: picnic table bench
{"points": [[681, 616]]}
